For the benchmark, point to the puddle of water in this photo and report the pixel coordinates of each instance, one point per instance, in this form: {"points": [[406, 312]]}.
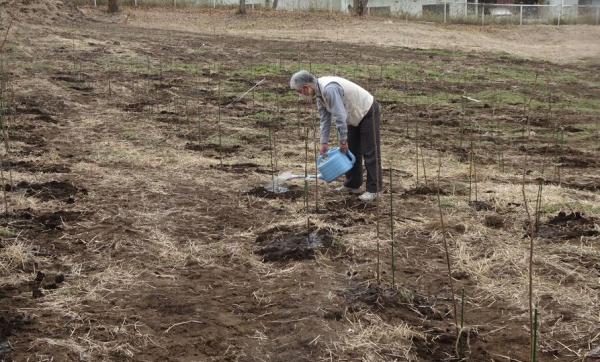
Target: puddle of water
{"points": [[314, 241], [276, 188]]}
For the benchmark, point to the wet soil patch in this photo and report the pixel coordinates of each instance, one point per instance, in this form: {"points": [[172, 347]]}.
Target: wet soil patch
{"points": [[244, 168], [481, 205], [393, 302], [68, 78], [593, 185], [9, 325], [440, 343], [580, 161], [551, 150], [226, 149], [494, 221], [283, 243], [170, 118], [573, 129], [136, 106], [82, 87], [18, 218], [342, 218], [28, 166], [443, 121], [29, 107], [426, 190], [464, 155], [55, 220], [29, 138], [293, 192], [568, 226], [76, 82], [351, 202], [53, 190], [27, 219], [168, 83]]}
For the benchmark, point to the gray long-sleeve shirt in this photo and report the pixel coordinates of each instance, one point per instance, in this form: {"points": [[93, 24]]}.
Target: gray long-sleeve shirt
{"points": [[333, 93]]}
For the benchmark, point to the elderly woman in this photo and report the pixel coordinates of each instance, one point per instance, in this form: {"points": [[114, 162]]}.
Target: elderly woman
{"points": [[357, 121]]}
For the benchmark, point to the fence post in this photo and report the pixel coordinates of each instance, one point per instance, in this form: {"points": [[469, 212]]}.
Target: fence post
{"points": [[559, 14], [521, 15], [482, 14], [597, 14], [445, 15], [95, 5]]}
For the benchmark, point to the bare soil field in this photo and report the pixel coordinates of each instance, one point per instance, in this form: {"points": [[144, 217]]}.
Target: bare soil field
{"points": [[555, 44], [139, 225]]}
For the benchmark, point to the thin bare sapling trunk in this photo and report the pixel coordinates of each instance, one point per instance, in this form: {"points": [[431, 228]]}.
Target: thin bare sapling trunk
{"points": [[446, 249], [392, 227], [219, 126]]}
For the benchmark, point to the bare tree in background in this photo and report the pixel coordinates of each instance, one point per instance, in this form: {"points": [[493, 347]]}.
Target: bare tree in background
{"points": [[360, 7], [113, 6], [242, 9]]}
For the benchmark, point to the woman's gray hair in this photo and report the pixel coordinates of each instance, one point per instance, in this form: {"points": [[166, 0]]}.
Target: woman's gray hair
{"points": [[301, 78]]}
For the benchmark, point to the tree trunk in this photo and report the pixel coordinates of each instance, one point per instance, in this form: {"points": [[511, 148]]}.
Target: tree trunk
{"points": [[360, 7], [275, 4], [113, 6], [242, 9]]}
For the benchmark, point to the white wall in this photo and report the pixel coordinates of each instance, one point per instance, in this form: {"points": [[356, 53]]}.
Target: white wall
{"points": [[307, 5]]}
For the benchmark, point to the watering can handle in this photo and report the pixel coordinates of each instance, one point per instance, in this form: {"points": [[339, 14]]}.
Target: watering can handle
{"points": [[349, 154], [320, 159]]}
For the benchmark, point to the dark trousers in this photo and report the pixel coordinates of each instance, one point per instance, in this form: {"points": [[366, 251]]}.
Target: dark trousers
{"points": [[365, 143]]}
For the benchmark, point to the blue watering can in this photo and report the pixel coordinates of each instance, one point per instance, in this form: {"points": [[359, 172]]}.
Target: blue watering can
{"points": [[335, 164]]}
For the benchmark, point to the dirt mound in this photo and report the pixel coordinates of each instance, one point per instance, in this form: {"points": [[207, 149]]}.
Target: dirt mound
{"points": [[427, 190], [9, 325], [481, 205], [581, 161], [53, 190], [39, 11], [377, 297], [568, 226], [30, 166], [28, 219], [283, 243], [55, 220], [228, 150]]}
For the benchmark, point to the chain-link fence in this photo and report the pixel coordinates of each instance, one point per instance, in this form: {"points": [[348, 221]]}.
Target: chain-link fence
{"points": [[520, 14], [441, 11]]}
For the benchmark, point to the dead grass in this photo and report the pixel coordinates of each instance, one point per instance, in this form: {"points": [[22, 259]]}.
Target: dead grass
{"points": [[373, 339], [15, 256]]}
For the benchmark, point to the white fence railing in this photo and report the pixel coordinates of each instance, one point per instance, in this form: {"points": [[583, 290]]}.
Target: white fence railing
{"points": [[443, 11], [511, 13]]}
